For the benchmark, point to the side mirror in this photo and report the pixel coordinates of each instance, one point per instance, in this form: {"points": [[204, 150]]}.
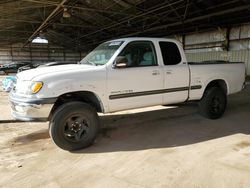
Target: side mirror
{"points": [[121, 62]]}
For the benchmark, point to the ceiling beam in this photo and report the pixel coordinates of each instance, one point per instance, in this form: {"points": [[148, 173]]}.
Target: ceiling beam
{"points": [[56, 24], [7, 9], [102, 16], [19, 20], [15, 31], [98, 10], [198, 18], [190, 20], [174, 10], [43, 2], [45, 22], [157, 8], [186, 10], [89, 9], [80, 7], [122, 3]]}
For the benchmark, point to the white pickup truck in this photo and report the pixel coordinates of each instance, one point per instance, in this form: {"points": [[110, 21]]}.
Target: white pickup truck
{"points": [[119, 75]]}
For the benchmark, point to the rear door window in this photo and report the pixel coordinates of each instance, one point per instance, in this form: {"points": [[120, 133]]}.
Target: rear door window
{"points": [[170, 53]]}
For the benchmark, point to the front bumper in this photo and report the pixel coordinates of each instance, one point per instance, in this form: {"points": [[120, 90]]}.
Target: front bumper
{"points": [[31, 109]]}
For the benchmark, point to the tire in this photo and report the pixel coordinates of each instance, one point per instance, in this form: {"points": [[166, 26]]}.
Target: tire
{"points": [[213, 103], [74, 126]]}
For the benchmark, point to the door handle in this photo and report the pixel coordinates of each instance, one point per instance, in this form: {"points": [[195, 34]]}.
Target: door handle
{"points": [[169, 72], [155, 72]]}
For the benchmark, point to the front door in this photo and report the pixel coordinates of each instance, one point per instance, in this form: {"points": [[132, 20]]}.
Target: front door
{"points": [[138, 84]]}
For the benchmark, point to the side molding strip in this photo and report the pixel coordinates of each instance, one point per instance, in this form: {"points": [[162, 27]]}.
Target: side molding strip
{"points": [[196, 87], [154, 92]]}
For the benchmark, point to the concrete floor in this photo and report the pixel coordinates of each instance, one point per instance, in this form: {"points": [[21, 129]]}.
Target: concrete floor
{"points": [[150, 147]]}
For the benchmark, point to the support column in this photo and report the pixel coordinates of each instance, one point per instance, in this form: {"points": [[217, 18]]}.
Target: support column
{"points": [[31, 59], [11, 52], [183, 42], [227, 39]]}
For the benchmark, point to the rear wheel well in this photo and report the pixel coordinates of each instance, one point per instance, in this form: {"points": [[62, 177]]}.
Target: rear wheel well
{"points": [[82, 96], [218, 83]]}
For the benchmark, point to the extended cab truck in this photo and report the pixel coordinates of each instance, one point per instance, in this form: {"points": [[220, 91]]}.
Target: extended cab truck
{"points": [[119, 75]]}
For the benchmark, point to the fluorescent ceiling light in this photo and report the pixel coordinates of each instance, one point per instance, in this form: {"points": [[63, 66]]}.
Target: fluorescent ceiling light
{"points": [[40, 40]]}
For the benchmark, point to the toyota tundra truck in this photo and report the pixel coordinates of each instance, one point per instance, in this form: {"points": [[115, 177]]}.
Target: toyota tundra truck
{"points": [[119, 75]]}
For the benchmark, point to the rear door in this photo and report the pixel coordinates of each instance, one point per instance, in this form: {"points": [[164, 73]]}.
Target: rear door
{"points": [[176, 73], [138, 84]]}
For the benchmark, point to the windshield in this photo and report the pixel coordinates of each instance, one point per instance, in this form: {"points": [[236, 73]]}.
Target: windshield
{"points": [[102, 54]]}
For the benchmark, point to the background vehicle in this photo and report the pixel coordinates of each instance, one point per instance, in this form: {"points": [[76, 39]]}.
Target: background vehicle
{"points": [[12, 67], [119, 75], [56, 63], [9, 81], [28, 67], [36, 65]]}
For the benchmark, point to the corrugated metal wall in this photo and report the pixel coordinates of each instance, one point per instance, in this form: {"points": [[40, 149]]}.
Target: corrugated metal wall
{"points": [[38, 53], [239, 55], [231, 44]]}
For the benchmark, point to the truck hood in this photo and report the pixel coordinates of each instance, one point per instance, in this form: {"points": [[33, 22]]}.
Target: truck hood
{"points": [[31, 74]]}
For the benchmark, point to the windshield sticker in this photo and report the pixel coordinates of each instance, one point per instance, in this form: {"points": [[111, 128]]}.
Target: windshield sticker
{"points": [[116, 43]]}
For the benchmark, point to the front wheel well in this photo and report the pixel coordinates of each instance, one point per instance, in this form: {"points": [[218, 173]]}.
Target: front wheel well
{"points": [[218, 83], [82, 96]]}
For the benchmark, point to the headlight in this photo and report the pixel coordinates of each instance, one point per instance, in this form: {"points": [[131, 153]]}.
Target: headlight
{"points": [[36, 86], [28, 87]]}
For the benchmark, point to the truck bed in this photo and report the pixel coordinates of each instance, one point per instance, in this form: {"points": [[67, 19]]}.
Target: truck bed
{"points": [[233, 73]]}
